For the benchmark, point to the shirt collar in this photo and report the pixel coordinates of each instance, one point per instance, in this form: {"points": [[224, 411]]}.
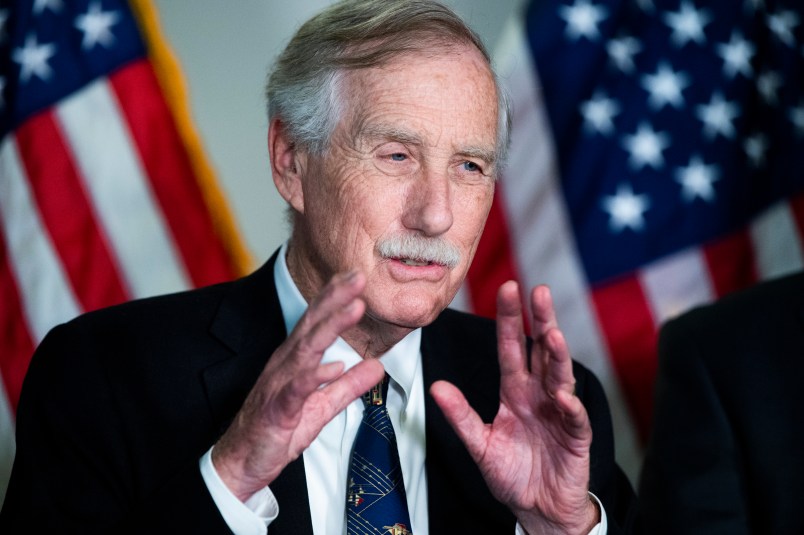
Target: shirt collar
{"points": [[401, 361]]}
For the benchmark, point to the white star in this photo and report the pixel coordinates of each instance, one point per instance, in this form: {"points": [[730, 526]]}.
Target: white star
{"points": [[696, 180], [665, 87], [41, 5], [622, 51], [626, 209], [582, 19], [737, 55], [755, 147], [646, 147], [768, 84], [598, 113], [33, 59], [717, 117], [797, 118], [782, 24], [688, 24], [96, 26]]}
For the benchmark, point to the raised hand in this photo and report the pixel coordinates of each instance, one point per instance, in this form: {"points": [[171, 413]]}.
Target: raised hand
{"points": [[288, 407], [534, 456]]}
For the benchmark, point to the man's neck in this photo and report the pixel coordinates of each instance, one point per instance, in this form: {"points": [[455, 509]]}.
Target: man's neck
{"points": [[372, 338]]}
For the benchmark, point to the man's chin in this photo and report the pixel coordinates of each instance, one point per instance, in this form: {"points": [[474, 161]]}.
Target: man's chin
{"points": [[410, 305], [408, 315]]}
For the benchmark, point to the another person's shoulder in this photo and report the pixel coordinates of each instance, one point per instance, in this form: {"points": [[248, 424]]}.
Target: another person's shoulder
{"points": [[747, 328], [758, 304]]}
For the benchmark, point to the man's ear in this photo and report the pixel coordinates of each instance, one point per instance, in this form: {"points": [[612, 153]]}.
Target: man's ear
{"points": [[287, 165]]}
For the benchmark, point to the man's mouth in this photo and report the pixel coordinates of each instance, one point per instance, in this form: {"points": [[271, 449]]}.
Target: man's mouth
{"points": [[415, 262]]}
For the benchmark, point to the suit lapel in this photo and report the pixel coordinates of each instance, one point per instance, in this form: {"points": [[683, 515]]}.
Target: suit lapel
{"points": [[446, 355], [458, 497], [250, 323]]}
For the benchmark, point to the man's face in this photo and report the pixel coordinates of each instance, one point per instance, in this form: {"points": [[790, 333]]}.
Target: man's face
{"points": [[412, 156]]}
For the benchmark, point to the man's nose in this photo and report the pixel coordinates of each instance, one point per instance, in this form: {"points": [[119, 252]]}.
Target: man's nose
{"points": [[429, 204]]}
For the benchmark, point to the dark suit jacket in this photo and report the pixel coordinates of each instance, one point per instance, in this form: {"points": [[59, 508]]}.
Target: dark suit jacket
{"points": [[727, 450], [119, 405]]}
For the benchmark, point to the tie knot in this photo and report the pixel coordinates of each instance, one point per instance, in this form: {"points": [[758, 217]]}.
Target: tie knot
{"points": [[377, 395]]}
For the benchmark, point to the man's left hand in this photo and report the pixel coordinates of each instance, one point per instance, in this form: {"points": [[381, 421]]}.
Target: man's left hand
{"points": [[534, 456]]}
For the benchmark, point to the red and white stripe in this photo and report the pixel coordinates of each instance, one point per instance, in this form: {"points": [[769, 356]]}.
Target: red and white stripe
{"points": [[99, 203]]}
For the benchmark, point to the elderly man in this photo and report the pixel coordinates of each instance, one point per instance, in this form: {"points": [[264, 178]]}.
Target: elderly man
{"points": [[387, 131]]}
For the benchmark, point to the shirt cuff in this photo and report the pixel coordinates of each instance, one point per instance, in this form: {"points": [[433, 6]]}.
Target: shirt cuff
{"points": [[602, 528], [251, 517]]}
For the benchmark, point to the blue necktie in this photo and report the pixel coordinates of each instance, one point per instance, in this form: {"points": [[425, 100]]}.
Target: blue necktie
{"points": [[376, 502]]}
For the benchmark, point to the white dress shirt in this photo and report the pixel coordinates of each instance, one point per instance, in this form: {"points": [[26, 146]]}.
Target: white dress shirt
{"points": [[326, 461]]}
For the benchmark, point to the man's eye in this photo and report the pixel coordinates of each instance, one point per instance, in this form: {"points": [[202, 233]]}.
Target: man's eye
{"points": [[472, 167], [399, 157]]}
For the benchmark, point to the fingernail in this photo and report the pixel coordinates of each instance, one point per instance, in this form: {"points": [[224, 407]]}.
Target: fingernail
{"points": [[350, 276]]}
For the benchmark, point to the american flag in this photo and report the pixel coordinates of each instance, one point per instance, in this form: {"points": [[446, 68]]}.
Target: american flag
{"points": [[105, 192], [657, 163]]}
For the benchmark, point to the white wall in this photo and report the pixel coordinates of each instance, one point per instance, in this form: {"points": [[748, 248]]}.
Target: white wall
{"points": [[225, 48]]}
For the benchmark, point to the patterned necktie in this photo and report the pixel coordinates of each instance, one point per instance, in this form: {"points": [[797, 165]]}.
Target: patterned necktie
{"points": [[376, 502]]}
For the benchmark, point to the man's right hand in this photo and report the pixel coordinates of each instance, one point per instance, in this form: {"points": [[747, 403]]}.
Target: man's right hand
{"points": [[288, 406]]}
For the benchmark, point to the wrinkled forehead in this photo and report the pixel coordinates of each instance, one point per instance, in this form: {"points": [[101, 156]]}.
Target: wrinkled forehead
{"points": [[445, 88]]}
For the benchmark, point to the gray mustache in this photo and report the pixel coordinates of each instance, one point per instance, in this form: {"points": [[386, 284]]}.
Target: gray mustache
{"points": [[416, 247]]}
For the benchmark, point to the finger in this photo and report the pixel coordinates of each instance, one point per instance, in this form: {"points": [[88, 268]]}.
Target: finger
{"points": [[510, 329], [303, 362], [333, 399], [338, 391], [342, 289], [336, 310], [298, 390], [558, 375], [351, 385], [576, 419], [464, 420], [542, 310], [543, 319], [320, 376], [310, 346], [336, 296]]}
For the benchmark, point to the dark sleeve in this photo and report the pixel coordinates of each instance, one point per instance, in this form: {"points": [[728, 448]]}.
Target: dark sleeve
{"points": [[82, 465], [690, 480], [607, 481]]}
